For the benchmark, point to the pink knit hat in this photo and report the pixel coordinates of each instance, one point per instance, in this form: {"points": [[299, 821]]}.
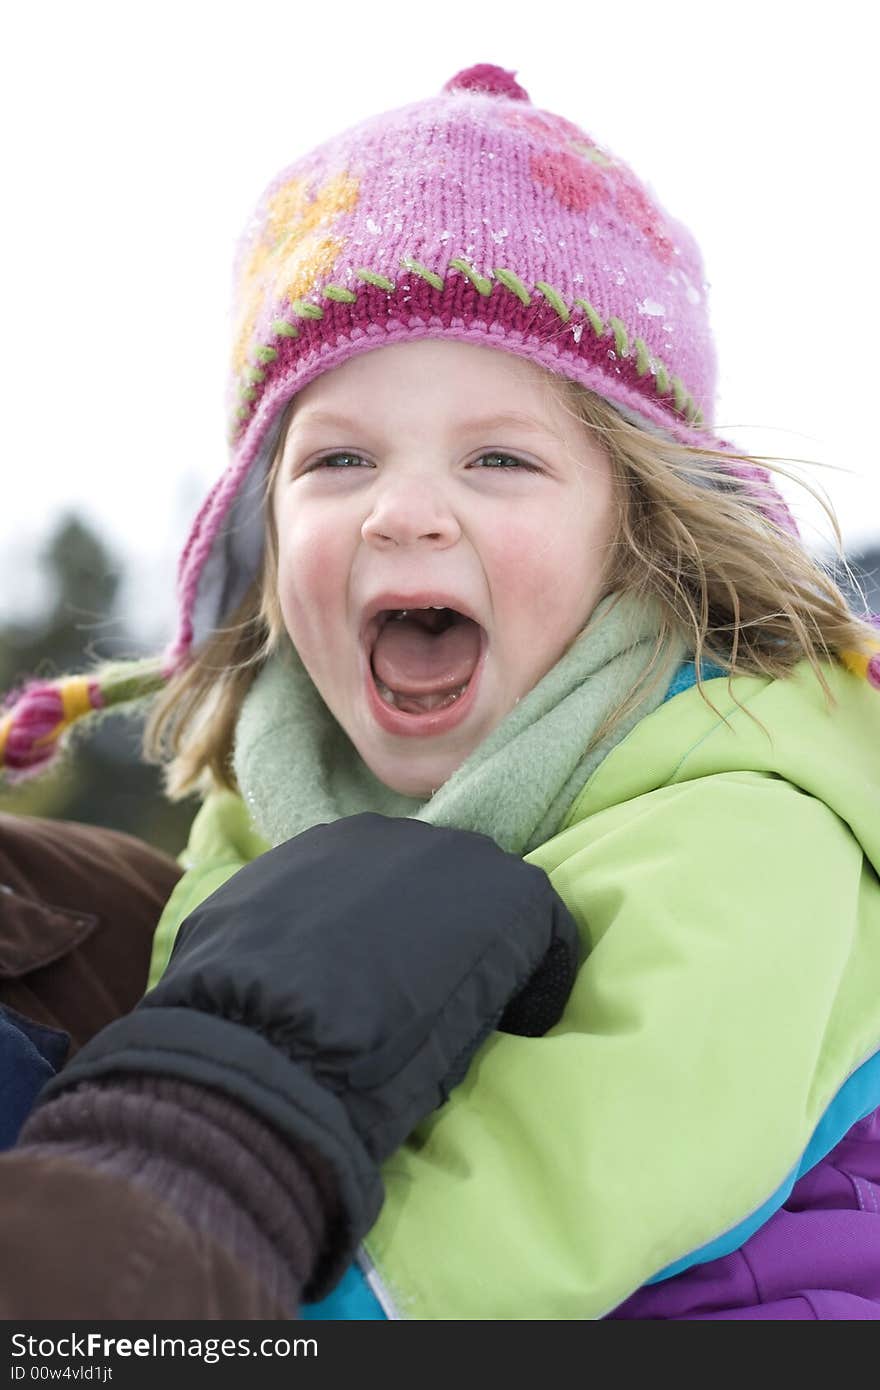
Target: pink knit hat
{"points": [[472, 216]]}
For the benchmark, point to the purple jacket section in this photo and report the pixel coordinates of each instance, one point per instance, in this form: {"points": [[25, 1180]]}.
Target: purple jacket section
{"points": [[817, 1257]]}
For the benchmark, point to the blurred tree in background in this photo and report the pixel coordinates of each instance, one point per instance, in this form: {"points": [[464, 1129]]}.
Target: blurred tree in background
{"points": [[101, 779]]}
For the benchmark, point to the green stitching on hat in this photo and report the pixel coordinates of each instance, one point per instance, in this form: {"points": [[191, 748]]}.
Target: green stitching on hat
{"points": [[340, 294], [596, 323], [380, 281], [480, 283], [514, 283], [663, 383], [621, 342], [306, 310], [418, 269], [554, 299]]}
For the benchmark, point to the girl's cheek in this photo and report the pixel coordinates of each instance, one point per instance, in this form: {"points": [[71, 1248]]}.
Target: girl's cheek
{"points": [[525, 552], [307, 546]]}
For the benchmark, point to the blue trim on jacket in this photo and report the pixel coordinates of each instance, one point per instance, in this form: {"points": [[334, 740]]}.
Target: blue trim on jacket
{"points": [[351, 1301], [857, 1098], [686, 676]]}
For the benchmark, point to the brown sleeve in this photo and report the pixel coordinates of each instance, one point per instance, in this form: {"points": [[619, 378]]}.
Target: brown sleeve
{"points": [[151, 1198], [78, 908], [270, 1204], [79, 1243]]}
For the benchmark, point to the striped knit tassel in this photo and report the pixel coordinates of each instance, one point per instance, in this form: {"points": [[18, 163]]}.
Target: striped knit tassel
{"points": [[37, 717]]}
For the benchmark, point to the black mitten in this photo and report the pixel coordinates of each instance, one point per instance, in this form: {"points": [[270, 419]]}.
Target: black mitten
{"points": [[340, 984]]}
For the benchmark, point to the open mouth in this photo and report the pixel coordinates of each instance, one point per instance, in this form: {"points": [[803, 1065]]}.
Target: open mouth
{"points": [[422, 659]]}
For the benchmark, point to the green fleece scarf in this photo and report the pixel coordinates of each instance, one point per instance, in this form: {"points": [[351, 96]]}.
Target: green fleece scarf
{"points": [[296, 767]]}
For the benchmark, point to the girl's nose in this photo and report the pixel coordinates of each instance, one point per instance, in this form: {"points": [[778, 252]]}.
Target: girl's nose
{"points": [[408, 511]]}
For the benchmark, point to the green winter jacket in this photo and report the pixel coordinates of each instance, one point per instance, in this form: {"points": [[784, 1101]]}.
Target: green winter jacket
{"points": [[722, 1036]]}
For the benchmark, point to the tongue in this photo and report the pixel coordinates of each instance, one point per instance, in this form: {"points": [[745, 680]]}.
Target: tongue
{"points": [[411, 660]]}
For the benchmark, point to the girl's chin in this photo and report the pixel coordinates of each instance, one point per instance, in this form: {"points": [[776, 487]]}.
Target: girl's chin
{"points": [[407, 781]]}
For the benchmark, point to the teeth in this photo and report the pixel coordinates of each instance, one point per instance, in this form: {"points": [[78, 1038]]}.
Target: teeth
{"points": [[404, 612], [426, 703]]}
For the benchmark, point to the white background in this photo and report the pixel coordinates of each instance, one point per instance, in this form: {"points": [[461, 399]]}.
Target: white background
{"points": [[137, 139]]}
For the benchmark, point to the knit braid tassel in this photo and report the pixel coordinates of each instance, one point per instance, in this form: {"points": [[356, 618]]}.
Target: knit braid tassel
{"points": [[41, 713], [868, 667], [865, 664]]}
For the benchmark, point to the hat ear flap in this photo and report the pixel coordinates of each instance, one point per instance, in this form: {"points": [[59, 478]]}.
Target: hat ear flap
{"points": [[38, 716]]}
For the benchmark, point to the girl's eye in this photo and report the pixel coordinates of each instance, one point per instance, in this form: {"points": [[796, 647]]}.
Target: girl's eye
{"points": [[506, 462], [340, 460], [498, 462]]}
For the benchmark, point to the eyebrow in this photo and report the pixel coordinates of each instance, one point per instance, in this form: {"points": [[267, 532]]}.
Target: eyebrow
{"points": [[478, 425]]}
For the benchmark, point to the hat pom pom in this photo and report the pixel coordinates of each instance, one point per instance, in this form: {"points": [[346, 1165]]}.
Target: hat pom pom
{"points": [[485, 77], [35, 720]]}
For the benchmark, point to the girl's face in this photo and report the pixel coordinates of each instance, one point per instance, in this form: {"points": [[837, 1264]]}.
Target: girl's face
{"points": [[435, 473]]}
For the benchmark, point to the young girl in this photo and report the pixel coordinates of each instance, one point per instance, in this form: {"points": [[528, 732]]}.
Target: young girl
{"points": [[479, 559]]}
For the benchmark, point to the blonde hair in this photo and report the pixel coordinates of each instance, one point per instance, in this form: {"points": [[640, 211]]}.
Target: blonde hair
{"points": [[731, 581]]}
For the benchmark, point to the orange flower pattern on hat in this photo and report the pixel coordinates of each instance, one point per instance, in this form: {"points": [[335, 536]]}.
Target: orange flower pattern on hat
{"points": [[291, 251]]}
